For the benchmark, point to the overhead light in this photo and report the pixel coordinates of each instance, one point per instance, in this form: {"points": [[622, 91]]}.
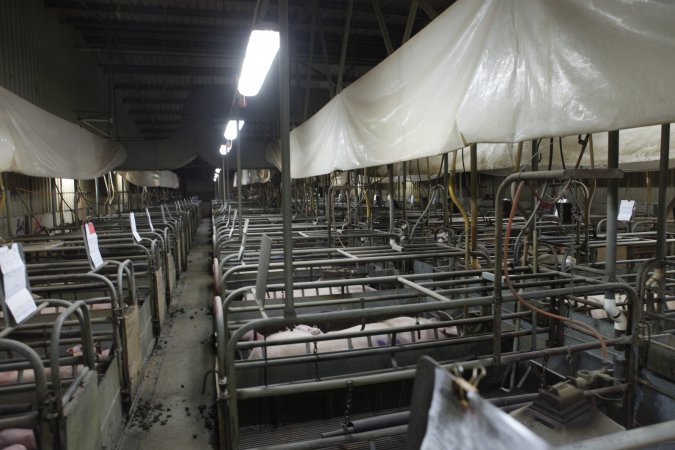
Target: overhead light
{"points": [[225, 148], [218, 169], [262, 47], [231, 129]]}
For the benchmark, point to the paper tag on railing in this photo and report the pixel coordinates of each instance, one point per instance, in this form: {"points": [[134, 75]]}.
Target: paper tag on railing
{"points": [[626, 210], [134, 230], [92, 245], [454, 418], [147, 213], [17, 297]]}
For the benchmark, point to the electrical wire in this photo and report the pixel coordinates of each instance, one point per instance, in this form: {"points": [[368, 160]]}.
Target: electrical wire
{"points": [[580, 326]]}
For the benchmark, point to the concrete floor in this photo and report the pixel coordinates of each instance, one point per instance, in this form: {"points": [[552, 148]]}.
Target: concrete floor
{"points": [[171, 411]]}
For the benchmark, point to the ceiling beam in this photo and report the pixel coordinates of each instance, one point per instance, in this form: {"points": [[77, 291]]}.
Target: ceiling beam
{"points": [[428, 9], [154, 101], [119, 50], [158, 115], [383, 27], [153, 69], [161, 11], [158, 123], [296, 8], [158, 130], [152, 87], [210, 32]]}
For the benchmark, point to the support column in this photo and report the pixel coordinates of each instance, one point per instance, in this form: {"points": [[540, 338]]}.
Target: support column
{"points": [[8, 198], [96, 193], [240, 216], [52, 185], [612, 210], [474, 197], [390, 174], [662, 222], [285, 132], [444, 197], [223, 184]]}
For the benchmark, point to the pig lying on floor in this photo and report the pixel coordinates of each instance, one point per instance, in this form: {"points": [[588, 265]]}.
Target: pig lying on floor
{"points": [[334, 345]]}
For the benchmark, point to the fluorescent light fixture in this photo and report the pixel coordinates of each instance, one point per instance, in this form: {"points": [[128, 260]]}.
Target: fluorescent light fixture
{"points": [[231, 129], [218, 169], [262, 48], [225, 148]]}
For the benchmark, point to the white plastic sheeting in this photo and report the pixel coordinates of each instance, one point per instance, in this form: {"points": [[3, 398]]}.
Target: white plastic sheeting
{"points": [[500, 71], [152, 178], [253, 176], [37, 143], [639, 149]]}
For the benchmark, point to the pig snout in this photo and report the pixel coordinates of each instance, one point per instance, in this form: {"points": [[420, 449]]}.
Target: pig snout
{"points": [[17, 438]]}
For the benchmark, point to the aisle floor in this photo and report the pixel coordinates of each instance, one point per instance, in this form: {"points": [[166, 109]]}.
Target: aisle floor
{"points": [[171, 411]]}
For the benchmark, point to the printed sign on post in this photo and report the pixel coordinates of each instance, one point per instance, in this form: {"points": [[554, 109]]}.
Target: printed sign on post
{"points": [[134, 230], [92, 245], [17, 297]]}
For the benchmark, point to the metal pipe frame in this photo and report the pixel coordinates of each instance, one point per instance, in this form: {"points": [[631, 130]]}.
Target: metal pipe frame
{"points": [[401, 373], [499, 224], [646, 436], [396, 424], [234, 394], [331, 262], [43, 403]]}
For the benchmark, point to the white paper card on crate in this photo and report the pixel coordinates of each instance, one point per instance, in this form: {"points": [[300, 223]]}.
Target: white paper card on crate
{"points": [[147, 213], [17, 297], [134, 230], [626, 210], [454, 425], [92, 244]]}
